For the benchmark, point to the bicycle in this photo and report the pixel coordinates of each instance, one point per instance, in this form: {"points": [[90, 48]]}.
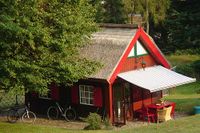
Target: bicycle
{"points": [[17, 112], [53, 112]]}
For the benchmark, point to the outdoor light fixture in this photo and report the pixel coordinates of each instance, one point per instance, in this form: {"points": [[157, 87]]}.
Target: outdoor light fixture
{"points": [[143, 63]]}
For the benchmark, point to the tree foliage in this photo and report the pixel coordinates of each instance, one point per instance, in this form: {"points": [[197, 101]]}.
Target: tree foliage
{"points": [[157, 8], [98, 4], [114, 12], [39, 41], [151, 10], [183, 25]]}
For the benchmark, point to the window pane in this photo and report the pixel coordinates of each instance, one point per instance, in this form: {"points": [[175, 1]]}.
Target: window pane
{"points": [[140, 49], [86, 94], [81, 100], [91, 101], [84, 100]]}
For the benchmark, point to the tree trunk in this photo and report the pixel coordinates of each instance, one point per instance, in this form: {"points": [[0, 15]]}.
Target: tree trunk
{"points": [[132, 7], [131, 18], [147, 16]]}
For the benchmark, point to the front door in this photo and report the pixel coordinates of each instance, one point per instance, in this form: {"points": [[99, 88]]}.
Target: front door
{"points": [[119, 104]]}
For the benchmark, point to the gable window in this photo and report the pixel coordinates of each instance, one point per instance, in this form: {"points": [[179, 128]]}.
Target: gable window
{"points": [[140, 49], [132, 52], [86, 93], [137, 50]]}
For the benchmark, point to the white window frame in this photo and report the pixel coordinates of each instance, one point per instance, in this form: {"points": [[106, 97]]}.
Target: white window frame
{"points": [[137, 50], [86, 94], [140, 49], [132, 52]]}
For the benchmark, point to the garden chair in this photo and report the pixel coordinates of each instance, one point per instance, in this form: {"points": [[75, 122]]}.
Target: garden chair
{"points": [[164, 114], [146, 115]]}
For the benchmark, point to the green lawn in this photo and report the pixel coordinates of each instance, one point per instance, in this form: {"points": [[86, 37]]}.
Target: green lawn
{"points": [[183, 125], [186, 97], [182, 59]]}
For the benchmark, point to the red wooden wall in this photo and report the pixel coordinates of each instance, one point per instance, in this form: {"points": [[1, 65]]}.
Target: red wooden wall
{"points": [[142, 97], [135, 63]]}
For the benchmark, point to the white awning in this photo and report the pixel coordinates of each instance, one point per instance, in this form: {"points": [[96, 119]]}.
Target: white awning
{"points": [[155, 78]]}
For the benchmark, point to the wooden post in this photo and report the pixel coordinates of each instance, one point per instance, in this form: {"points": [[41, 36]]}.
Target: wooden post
{"points": [[110, 103], [124, 103]]}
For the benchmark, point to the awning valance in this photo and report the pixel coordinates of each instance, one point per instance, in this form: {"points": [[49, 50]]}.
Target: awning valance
{"points": [[155, 78]]}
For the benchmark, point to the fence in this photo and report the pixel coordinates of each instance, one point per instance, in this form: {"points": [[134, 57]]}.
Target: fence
{"points": [[10, 99]]}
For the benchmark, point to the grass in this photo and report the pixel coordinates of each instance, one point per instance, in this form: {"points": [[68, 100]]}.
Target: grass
{"points": [[188, 89], [183, 125], [182, 59], [186, 97]]}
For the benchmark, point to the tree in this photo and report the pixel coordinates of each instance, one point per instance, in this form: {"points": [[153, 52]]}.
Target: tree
{"points": [[153, 11], [183, 25], [131, 7], [39, 42], [114, 12], [98, 4]]}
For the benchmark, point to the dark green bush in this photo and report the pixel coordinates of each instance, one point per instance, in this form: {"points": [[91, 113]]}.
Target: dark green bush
{"points": [[192, 69], [94, 121], [185, 69], [196, 67], [188, 52]]}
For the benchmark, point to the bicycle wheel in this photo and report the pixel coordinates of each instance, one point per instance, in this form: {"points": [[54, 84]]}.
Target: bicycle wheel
{"points": [[29, 116], [12, 116], [70, 114], [52, 113]]}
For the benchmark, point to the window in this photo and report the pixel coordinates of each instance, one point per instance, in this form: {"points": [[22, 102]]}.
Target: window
{"points": [[86, 94], [132, 52], [137, 50], [53, 92], [45, 96], [140, 49]]}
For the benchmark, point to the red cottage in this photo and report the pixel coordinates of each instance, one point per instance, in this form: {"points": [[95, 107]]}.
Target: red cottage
{"points": [[133, 75]]}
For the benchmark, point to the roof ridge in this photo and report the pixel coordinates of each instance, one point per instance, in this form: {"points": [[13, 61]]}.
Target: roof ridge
{"points": [[112, 25]]}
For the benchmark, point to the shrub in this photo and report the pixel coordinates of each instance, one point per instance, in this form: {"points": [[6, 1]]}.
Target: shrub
{"points": [[94, 121], [190, 69], [188, 52], [107, 124], [185, 69], [196, 67]]}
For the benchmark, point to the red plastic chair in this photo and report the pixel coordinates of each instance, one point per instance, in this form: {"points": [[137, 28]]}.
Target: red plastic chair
{"points": [[146, 114]]}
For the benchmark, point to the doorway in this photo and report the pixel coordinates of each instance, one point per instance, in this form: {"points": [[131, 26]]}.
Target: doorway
{"points": [[128, 101], [119, 104]]}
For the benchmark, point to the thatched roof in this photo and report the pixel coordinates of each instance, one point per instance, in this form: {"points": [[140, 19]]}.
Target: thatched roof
{"points": [[108, 45]]}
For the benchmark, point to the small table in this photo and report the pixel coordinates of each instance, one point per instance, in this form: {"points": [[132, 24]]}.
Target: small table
{"points": [[160, 106]]}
